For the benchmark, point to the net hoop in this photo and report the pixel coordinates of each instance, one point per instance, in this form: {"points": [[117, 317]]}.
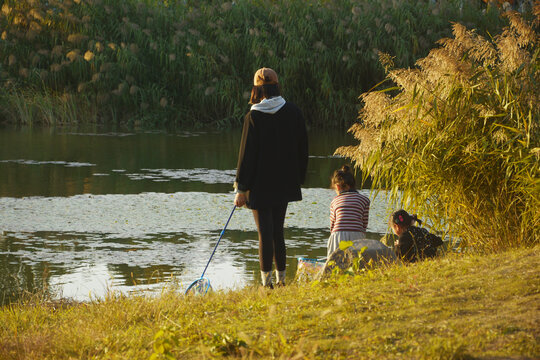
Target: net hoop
{"points": [[199, 287]]}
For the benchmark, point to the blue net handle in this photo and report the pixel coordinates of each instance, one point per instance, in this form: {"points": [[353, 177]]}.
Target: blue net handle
{"points": [[202, 285], [220, 236]]}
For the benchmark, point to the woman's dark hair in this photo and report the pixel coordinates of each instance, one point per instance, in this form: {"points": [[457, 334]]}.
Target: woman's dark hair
{"points": [[344, 177], [258, 93], [403, 218]]}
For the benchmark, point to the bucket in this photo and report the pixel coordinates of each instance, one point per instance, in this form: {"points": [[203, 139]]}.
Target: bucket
{"points": [[308, 268]]}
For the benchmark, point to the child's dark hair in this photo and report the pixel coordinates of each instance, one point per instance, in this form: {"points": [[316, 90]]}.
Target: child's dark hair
{"points": [[344, 177], [403, 218]]}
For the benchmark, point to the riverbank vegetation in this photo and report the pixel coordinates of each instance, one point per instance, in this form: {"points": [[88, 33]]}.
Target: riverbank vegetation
{"points": [[461, 306], [190, 63], [458, 138]]}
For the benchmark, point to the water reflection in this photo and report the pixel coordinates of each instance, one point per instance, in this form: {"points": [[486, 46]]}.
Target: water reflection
{"points": [[86, 213], [57, 162], [85, 266]]}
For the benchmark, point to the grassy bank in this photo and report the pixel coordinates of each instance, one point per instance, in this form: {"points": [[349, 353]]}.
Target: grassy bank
{"points": [[189, 63], [457, 307]]}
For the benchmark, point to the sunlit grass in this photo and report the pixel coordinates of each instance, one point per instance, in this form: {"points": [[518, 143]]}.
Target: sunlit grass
{"points": [[200, 55], [456, 307]]}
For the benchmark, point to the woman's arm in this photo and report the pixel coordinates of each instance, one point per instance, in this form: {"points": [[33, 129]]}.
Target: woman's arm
{"points": [[247, 156]]}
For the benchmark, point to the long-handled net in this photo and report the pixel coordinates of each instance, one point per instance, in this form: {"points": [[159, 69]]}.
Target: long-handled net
{"points": [[202, 285]]}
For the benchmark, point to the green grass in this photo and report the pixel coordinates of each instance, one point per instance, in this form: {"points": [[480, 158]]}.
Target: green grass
{"points": [[456, 307]]}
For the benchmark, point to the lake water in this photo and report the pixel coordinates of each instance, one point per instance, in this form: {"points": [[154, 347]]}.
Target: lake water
{"points": [[88, 212]]}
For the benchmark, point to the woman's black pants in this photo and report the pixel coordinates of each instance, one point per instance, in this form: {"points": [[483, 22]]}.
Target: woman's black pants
{"points": [[271, 238]]}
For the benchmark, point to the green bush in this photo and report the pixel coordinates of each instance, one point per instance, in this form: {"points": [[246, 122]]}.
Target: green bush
{"points": [[458, 138], [191, 62]]}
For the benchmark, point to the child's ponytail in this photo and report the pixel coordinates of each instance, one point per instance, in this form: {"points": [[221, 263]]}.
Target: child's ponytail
{"points": [[402, 218], [344, 178]]}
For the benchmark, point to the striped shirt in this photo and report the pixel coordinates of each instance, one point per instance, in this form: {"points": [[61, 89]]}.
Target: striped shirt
{"points": [[349, 212]]}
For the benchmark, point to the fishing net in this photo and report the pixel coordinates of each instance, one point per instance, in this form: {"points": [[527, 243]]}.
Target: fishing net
{"points": [[199, 287]]}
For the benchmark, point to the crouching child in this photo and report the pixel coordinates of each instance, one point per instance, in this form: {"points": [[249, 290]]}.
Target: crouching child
{"points": [[413, 243]]}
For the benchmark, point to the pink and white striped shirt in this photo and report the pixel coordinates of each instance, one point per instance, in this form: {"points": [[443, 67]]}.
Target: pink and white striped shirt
{"points": [[349, 212]]}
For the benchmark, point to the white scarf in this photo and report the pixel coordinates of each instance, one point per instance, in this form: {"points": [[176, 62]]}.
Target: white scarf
{"points": [[269, 106]]}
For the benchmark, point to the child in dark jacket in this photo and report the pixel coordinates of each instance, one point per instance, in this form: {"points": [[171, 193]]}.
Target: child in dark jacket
{"points": [[414, 243]]}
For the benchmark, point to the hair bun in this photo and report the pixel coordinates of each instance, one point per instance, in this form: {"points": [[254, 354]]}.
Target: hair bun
{"points": [[401, 217], [345, 168]]}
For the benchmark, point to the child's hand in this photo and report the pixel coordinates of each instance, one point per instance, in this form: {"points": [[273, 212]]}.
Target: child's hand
{"points": [[240, 200]]}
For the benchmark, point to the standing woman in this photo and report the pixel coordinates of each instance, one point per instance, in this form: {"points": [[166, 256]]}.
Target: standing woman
{"points": [[272, 165]]}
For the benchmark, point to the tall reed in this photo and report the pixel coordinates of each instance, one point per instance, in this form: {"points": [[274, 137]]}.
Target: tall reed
{"points": [[32, 107], [458, 138], [191, 62]]}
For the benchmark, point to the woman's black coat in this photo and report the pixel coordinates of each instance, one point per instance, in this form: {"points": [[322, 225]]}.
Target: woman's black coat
{"points": [[273, 157]]}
